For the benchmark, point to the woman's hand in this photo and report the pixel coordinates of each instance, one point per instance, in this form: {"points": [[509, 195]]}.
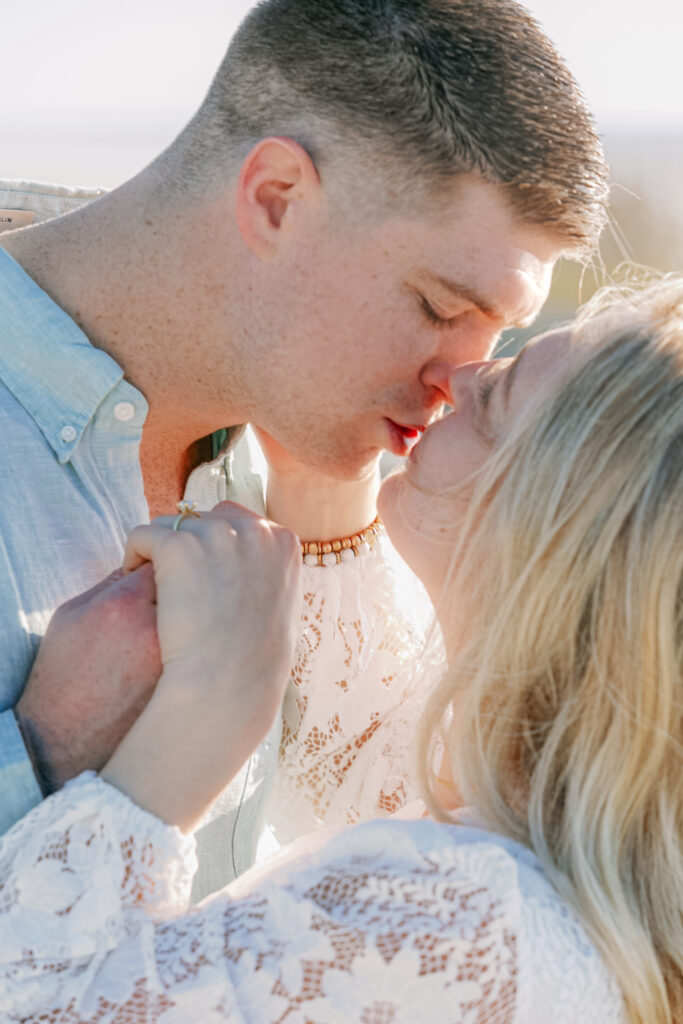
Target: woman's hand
{"points": [[228, 611], [226, 585], [312, 504]]}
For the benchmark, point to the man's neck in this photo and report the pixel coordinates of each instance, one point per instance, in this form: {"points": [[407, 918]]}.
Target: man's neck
{"points": [[165, 474], [123, 272]]}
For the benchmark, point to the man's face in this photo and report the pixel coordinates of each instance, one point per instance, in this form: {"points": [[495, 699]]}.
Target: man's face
{"points": [[358, 330]]}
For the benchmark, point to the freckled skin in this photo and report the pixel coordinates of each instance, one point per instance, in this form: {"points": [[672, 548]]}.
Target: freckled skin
{"points": [[343, 342], [318, 333]]}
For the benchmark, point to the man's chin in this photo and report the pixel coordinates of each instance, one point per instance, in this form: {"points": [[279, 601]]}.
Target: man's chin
{"points": [[359, 471], [345, 466], [331, 456]]}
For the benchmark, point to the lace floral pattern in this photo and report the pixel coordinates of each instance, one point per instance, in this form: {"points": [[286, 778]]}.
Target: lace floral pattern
{"points": [[388, 923], [350, 709]]}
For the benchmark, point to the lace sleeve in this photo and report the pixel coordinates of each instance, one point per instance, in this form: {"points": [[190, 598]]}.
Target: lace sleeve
{"points": [[80, 861], [383, 924], [350, 708]]}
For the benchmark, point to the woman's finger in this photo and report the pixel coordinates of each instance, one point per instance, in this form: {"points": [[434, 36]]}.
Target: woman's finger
{"points": [[143, 542], [143, 545], [226, 510], [231, 510]]}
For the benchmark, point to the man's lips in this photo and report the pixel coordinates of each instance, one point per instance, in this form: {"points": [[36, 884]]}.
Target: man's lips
{"points": [[410, 431], [403, 435]]}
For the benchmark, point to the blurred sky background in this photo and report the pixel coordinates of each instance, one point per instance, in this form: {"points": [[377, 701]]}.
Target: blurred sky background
{"points": [[92, 91]]}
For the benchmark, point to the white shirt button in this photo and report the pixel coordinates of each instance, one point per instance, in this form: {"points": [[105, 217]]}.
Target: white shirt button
{"points": [[124, 411], [68, 434]]}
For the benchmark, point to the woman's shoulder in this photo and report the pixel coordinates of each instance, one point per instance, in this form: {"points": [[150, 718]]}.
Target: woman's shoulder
{"points": [[560, 975], [479, 902]]}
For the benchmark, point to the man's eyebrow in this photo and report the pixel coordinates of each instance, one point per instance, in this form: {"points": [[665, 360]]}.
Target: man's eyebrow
{"points": [[463, 291]]}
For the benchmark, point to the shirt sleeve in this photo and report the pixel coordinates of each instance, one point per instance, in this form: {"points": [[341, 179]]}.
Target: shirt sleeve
{"points": [[19, 789], [376, 925]]}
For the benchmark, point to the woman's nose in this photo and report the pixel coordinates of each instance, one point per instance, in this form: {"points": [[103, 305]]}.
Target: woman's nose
{"points": [[461, 379]]}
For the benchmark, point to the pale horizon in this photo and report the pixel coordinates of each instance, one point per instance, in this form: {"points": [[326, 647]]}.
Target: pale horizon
{"points": [[92, 93]]}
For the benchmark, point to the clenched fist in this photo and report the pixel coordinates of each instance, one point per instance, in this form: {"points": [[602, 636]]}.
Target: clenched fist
{"points": [[96, 669], [228, 612]]}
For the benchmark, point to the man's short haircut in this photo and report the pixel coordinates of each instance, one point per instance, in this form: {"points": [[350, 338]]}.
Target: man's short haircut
{"points": [[421, 90]]}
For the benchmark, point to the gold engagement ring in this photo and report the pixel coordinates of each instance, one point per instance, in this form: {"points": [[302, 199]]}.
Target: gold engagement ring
{"points": [[187, 511]]}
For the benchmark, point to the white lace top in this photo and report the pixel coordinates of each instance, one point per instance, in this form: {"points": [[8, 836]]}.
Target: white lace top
{"points": [[354, 696], [389, 923]]}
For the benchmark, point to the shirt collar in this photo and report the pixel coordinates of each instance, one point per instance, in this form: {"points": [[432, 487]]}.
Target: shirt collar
{"points": [[47, 362]]}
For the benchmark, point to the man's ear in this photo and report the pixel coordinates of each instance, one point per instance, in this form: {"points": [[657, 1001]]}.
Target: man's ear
{"points": [[277, 176]]}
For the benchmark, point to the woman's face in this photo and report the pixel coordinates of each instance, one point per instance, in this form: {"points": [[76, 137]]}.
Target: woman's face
{"points": [[418, 506]]}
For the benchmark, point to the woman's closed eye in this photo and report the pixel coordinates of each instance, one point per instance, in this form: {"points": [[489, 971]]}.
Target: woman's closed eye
{"points": [[484, 386], [497, 376]]}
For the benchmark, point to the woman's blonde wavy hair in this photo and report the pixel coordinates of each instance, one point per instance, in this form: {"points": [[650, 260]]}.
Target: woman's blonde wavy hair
{"points": [[563, 706]]}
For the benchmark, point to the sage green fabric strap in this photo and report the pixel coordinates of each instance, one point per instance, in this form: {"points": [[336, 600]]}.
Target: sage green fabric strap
{"points": [[223, 440]]}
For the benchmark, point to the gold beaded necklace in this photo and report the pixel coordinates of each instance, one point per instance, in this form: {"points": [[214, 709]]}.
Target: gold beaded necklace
{"points": [[344, 549]]}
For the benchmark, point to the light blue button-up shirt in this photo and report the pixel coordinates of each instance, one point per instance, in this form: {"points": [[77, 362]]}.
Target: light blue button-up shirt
{"points": [[91, 545], [70, 489]]}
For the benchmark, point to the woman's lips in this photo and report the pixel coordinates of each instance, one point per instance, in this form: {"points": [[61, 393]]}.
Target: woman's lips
{"points": [[403, 437]]}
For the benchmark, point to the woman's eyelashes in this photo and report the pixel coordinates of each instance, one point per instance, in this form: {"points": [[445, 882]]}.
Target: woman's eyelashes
{"points": [[485, 386], [485, 383]]}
